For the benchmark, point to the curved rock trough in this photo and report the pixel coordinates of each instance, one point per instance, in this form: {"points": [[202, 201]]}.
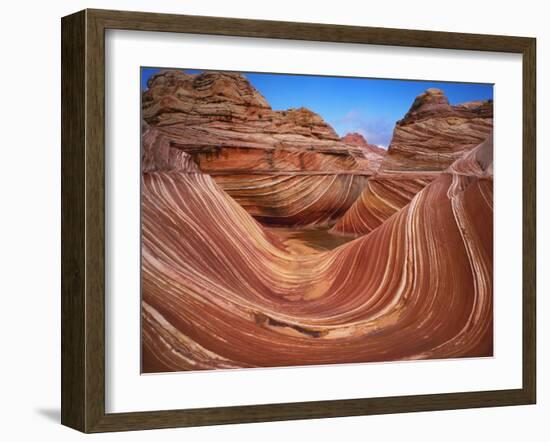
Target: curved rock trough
{"points": [[269, 241]]}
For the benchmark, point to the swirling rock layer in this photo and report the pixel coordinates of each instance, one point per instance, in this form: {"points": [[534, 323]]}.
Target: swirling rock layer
{"points": [[433, 134], [382, 197], [230, 132], [295, 200], [220, 291]]}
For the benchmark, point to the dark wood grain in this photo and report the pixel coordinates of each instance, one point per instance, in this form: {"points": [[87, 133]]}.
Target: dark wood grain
{"points": [[144, 21], [529, 220], [83, 220], [73, 129], [95, 221]]}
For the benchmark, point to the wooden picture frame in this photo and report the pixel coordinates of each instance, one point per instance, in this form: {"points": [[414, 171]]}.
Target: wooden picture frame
{"points": [[83, 220]]}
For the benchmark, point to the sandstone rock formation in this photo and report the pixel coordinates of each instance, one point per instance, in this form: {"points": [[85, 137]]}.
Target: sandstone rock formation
{"points": [[284, 167], [431, 136], [356, 139], [158, 154], [222, 290], [219, 292], [373, 153], [381, 198], [433, 133]]}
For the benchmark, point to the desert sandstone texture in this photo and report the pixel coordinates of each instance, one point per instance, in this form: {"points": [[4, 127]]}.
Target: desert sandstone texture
{"points": [[268, 240]]}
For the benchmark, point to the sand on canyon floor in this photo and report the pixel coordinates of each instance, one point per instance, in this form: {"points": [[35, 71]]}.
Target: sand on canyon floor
{"points": [[305, 241]]}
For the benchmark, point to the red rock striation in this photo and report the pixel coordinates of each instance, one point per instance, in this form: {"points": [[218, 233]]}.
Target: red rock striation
{"points": [[285, 167], [382, 197], [356, 139], [373, 153], [220, 292], [158, 155], [433, 133], [425, 142]]}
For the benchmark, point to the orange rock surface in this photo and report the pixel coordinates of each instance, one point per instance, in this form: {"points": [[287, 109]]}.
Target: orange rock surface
{"points": [[267, 240], [220, 291], [432, 135], [356, 139], [382, 197], [286, 167]]}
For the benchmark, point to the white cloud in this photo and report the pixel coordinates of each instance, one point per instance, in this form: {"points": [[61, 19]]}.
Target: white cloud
{"points": [[376, 130]]}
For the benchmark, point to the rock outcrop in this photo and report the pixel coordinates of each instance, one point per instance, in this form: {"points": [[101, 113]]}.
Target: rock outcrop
{"points": [[433, 133], [158, 154], [373, 153], [432, 136], [356, 139], [284, 167]]}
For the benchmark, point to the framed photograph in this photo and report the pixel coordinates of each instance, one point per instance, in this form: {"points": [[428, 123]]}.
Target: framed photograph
{"points": [[268, 220]]}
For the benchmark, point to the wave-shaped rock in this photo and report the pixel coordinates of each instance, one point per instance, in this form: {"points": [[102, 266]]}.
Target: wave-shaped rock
{"points": [[219, 291], [432, 135], [386, 194], [317, 200], [381, 198], [229, 130]]}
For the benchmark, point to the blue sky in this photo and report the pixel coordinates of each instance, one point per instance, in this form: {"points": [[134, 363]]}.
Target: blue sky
{"points": [[368, 106]]}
